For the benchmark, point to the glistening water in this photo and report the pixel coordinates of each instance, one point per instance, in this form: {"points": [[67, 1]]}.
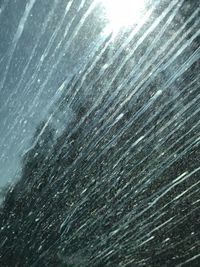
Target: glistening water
{"points": [[100, 133]]}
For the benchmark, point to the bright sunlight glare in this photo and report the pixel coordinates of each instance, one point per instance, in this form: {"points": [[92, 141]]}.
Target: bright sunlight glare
{"points": [[123, 13]]}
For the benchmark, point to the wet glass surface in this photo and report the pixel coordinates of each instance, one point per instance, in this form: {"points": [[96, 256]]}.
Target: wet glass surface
{"points": [[100, 133]]}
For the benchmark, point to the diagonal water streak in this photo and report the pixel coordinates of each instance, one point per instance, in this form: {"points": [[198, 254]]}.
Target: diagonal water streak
{"points": [[99, 100], [127, 179], [48, 48], [190, 62], [42, 32], [167, 84], [124, 197], [161, 61], [101, 97], [118, 53], [16, 39], [139, 25], [176, 96], [197, 99], [166, 138], [67, 45], [33, 78], [149, 206]]}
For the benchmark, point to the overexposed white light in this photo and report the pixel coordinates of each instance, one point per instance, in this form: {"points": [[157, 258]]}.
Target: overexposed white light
{"points": [[123, 13]]}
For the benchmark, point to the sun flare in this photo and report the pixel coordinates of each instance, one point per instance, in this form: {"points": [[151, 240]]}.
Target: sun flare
{"points": [[123, 13]]}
